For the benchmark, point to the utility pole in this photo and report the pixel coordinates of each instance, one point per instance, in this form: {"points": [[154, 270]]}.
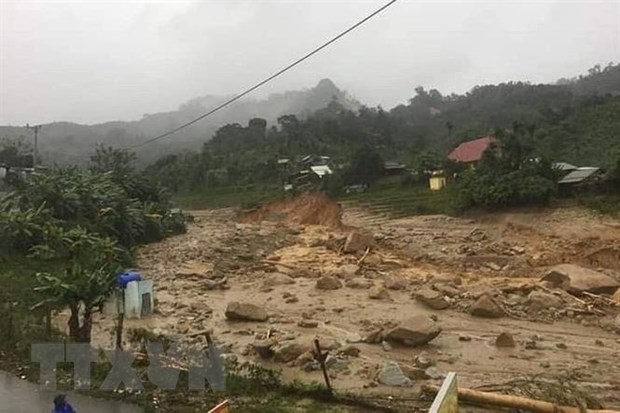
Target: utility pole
{"points": [[35, 152]]}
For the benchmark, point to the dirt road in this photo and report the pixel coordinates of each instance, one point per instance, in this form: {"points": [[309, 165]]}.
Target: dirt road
{"points": [[273, 261]]}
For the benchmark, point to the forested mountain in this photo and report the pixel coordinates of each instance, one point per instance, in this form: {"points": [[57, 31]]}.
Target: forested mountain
{"points": [[576, 121], [70, 143]]}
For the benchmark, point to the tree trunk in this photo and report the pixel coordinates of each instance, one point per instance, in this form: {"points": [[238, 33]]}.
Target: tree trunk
{"points": [[74, 322], [80, 333], [86, 327]]}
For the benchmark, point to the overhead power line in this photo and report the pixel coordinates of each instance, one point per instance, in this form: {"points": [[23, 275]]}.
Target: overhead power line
{"points": [[267, 80]]}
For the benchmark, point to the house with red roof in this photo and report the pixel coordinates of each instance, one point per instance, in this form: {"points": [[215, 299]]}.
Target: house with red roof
{"points": [[471, 152]]}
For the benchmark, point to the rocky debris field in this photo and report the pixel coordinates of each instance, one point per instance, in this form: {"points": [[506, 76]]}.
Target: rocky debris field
{"points": [[396, 303]]}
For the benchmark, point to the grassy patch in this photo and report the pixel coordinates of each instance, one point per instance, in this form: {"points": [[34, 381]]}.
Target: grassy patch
{"points": [[399, 202]]}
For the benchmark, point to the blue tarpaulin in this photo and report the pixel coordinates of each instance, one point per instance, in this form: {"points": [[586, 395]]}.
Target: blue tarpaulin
{"points": [[125, 278]]}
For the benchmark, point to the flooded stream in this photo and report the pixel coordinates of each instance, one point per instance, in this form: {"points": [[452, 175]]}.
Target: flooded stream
{"points": [[20, 396]]}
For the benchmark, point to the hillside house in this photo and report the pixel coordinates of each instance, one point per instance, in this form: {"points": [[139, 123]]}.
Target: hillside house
{"points": [[471, 152]]}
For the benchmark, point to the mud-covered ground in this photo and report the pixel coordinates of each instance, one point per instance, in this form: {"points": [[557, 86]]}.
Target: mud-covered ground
{"points": [[272, 258]]}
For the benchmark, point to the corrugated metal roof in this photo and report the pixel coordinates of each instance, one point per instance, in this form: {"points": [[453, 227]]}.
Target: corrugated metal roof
{"points": [[471, 151], [579, 175], [564, 166], [321, 170]]}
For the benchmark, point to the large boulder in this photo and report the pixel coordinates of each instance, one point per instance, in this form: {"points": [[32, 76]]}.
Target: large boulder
{"points": [[539, 300], [245, 312], [486, 307], [576, 280], [357, 241], [431, 298], [328, 283], [289, 351], [415, 331], [392, 375]]}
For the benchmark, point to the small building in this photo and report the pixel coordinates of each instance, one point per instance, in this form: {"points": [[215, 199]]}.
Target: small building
{"points": [[321, 170], [471, 152], [393, 168], [315, 160], [437, 180], [134, 297]]}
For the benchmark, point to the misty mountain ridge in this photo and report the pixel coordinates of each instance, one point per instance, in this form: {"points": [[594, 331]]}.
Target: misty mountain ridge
{"points": [[72, 143]]}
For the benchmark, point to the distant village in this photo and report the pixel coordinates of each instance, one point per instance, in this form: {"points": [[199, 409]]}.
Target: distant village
{"points": [[311, 169]]}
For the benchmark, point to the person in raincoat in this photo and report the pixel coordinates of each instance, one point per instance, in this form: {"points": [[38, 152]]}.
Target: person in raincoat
{"points": [[61, 405]]}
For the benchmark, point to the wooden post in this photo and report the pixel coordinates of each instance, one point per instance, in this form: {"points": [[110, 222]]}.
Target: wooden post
{"points": [[120, 297], [321, 357]]}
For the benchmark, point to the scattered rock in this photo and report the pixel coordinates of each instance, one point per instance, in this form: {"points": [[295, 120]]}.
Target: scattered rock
{"points": [[448, 290], [395, 283], [505, 340], [289, 351], [616, 296], [392, 375], [415, 331], [373, 260], [357, 241], [245, 312], [576, 280], [359, 283], [599, 343], [494, 266], [263, 348], [386, 346], [328, 283], [209, 284], [434, 373], [378, 293], [308, 323], [423, 360], [617, 323], [374, 337], [347, 271], [561, 346], [464, 338], [486, 307], [539, 300], [276, 279], [350, 350], [431, 298], [414, 373], [291, 300]]}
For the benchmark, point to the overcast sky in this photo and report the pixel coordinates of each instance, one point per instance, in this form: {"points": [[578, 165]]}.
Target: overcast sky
{"points": [[93, 61]]}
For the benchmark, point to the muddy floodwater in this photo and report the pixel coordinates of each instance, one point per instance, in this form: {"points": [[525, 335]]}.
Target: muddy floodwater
{"points": [[20, 396]]}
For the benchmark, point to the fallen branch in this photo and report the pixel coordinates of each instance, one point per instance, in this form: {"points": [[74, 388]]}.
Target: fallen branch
{"points": [[588, 311], [516, 402], [600, 297], [363, 256]]}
